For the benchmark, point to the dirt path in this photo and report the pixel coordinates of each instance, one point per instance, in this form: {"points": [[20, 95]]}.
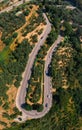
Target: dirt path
{"points": [[20, 37]]}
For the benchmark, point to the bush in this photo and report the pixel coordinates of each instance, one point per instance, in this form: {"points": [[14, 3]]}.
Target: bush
{"points": [[15, 35]]}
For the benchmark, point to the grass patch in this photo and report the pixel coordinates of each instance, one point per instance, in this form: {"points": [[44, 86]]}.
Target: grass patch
{"points": [[4, 55]]}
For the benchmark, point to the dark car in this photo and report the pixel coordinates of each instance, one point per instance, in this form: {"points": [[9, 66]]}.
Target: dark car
{"points": [[41, 37], [20, 119], [46, 105]]}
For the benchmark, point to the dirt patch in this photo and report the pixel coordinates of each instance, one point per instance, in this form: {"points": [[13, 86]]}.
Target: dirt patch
{"points": [[53, 90], [61, 51], [71, 101], [20, 38], [65, 53], [4, 120], [13, 45], [30, 95], [29, 102], [60, 63], [65, 86], [1, 127], [2, 45], [33, 88], [19, 31], [41, 97], [40, 101], [28, 36], [11, 98]]}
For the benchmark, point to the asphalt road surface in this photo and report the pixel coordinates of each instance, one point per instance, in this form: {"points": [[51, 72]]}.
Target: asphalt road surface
{"points": [[1, 1], [20, 98], [47, 86], [7, 9], [21, 94]]}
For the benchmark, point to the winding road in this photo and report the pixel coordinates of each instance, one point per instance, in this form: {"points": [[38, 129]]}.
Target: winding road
{"points": [[20, 98], [21, 94], [10, 7], [33, 114]]}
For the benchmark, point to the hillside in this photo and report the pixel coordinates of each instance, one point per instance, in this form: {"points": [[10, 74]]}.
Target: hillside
{"points": [[77, 3], [20, 30], [17, 40]]}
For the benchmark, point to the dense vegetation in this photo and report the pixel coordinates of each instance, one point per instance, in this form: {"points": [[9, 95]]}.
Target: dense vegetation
{"points": [[77, 3], [35, 87], [13, 62], [68, 99], [10, 22], [4, 4], [34, 22], [66, 111], [14, 67]]}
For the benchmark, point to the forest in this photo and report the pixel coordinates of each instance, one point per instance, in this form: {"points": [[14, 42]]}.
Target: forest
{"points": [[77, 3], [15, 54], [65, 71]]}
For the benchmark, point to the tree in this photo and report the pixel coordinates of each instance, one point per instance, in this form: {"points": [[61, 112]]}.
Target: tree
{"points": [[68, 28], [51, 37]]}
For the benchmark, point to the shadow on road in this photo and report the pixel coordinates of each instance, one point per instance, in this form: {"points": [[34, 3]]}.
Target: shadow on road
{"points": [[49, 72]]}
